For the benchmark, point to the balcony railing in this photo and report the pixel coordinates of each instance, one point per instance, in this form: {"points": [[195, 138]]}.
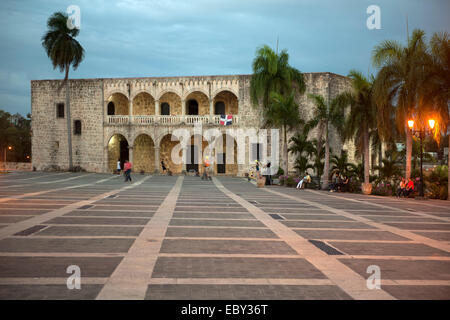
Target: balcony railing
{"points": [[166, 120]]}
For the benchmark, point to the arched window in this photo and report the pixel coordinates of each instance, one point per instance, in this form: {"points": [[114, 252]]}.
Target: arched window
{"points": [[111, 109], [165, 109], [77, 127], [219, 108], [192, 107]]}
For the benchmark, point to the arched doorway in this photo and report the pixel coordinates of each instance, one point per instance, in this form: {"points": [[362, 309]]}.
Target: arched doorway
{"points": [[219, 108], [197, 103], [226, 155], [165, 151], [111, 108], [117, 150], [192, 107], [144, 154], [170, 103], [165, 109], [227, 102], [120, 103], [143, 104]]}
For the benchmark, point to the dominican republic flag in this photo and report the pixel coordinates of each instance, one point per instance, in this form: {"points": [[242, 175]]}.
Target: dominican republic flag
{"points": [[226, 120]]}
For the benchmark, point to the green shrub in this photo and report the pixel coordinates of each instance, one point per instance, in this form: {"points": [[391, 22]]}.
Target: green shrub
{"points": [[290, 182], [437, 183]]}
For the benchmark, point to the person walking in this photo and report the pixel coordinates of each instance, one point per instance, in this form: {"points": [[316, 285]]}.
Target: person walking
{"points": [[206, 169], [127, 168], [119, 168]]}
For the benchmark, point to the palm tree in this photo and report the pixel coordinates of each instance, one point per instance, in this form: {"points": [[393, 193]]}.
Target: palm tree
{"points": [[301, 146], [435, 91], [397, 85], [283, 112], [319, 154], [272, 73], [302, 164], [64, 51], [340, 164], [324, 115], [361, 119], [390, 169]]}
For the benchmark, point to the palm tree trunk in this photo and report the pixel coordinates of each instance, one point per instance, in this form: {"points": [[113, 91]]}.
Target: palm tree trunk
{"points": [[326, 167], [408, 153], [366, 156], [69, 130], [285, 151]]}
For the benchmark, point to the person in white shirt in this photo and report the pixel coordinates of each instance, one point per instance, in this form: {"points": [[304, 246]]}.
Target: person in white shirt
{"points": [[118, 167]]}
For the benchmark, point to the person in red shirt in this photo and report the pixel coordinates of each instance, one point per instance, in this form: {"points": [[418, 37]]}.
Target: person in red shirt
{"points": [[127, 170], [409, 187]]}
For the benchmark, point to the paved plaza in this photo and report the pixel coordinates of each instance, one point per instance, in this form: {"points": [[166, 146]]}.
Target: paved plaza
{"points": [[178, 237]]}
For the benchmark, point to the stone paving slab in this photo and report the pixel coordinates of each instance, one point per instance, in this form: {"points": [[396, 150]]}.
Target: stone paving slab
{"points": [[225, 246], [422, 292], [65, 245], [242, 292], [94, 213], [421, 226], [100, 221], [212, 215], [441, 236], [216, 223], [214, 267], [90, 231], [56, 266], [388, 249], [403, 269], [349, 235], [323, 224], [48, 292], [219, 233]]}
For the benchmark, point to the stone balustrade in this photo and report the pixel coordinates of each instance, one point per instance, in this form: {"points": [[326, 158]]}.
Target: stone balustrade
{"points": [[166, 120]]}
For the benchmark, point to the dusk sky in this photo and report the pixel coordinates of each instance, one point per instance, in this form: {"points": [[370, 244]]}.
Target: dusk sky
{"points": [[137, 38]]}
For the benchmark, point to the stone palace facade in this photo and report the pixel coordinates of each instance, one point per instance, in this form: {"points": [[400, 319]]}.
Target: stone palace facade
{"points": [[134, 118]]}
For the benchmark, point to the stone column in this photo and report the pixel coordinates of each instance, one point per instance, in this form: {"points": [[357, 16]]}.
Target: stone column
{"points": [[157, 159], [157, 111], [131, 111], [183, 109], [130, 154], [211, 110]]}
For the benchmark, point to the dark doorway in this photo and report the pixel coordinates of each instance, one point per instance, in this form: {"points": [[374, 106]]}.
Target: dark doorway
{"points": [[165, 109], [219, 108], [221, 163], [111, 109], [124, 152], [192, 107], [192, 158]]}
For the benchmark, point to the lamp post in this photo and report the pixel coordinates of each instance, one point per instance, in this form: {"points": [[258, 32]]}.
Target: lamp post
{"points": [[4, 160], [420, 133]]}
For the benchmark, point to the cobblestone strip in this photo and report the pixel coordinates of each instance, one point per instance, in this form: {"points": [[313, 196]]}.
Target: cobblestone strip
{"points": [[403, 233], [341, 275], [22, 225], [32, 194], [132, 275]]}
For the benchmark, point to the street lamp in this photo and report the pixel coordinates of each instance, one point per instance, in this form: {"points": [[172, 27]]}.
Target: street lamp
{"points": [[4, 160], [420, 133]]}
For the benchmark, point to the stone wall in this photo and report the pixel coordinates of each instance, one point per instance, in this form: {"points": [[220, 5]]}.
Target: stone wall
{"points": [[144, 154], [16, 166], [143, 104], [174, 102], [49, 133]]}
